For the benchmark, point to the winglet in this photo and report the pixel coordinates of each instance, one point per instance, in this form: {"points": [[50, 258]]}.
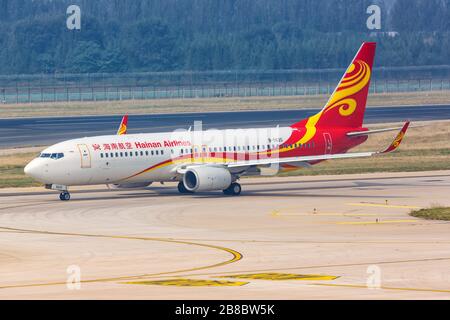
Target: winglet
{"points": [[123, 126], [398, 139]]}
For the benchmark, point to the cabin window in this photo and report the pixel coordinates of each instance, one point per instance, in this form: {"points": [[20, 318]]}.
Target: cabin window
{"points": [[112, 155], [162, 152], [181, 151], [153, 152], [106, 155], [142, 153], [146, 153], [101, 155], [157, 152], [117, 154]]}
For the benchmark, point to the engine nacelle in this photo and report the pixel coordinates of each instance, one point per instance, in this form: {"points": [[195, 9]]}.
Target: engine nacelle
{"points": [[207, 179], [137, 185]]}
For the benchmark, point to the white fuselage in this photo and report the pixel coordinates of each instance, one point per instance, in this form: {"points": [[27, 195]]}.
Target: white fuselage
{"points": [[141, 158]]}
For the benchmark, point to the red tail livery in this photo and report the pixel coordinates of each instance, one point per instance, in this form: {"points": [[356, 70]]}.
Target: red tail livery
{"points": [[347, 104]]}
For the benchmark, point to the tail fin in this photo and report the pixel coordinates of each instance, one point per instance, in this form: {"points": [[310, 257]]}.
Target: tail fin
{"points": [[347, 104], [123, 126]]}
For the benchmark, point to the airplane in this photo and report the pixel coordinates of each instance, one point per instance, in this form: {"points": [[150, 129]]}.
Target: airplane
{"points": [[215, 160]]}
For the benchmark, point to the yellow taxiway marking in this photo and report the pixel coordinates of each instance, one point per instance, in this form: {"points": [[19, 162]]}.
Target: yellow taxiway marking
{"points": [[377, 222], [329, 215], [235, 255], [382, 287], [191, 283], [277, 213], [365, 204], [281, 276]]}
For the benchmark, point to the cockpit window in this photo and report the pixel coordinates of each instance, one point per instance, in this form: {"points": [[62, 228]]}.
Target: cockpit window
{"points": [[54, 156]]}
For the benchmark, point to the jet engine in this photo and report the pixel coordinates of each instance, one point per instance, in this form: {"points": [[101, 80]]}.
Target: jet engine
{"points": [[206, 178]]}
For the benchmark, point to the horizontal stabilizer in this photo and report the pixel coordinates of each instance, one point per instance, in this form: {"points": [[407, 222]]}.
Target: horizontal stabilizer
{"points": [[368, 132]]}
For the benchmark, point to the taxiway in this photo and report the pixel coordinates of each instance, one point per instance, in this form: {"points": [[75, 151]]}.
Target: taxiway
{"points": [[347, 237]]}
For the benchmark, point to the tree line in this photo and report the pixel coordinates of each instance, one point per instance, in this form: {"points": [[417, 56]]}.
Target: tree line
{"points": [[166, 35]]}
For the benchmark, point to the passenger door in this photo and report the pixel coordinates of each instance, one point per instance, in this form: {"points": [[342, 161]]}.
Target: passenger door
{"points": [[328, 143], [85, 155]]}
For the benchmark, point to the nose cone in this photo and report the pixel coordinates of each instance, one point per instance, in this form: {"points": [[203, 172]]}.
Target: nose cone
{"points": [[30, 168], [34, 169]]}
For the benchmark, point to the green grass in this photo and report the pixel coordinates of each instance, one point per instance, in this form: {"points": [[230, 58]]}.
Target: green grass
{"points": [[433, 213], [12, 176]]}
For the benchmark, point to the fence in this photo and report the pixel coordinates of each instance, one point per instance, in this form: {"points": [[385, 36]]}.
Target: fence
{"points": [[175, 85]]}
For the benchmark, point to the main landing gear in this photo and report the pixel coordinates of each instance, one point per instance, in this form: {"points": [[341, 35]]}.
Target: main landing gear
{"points": [[64, 196], [233, 190]]}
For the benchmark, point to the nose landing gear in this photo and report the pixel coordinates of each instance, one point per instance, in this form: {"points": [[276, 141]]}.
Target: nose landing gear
{"points": [[64, 196]]}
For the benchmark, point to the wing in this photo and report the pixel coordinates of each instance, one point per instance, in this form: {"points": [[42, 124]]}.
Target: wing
{"points": [[393, 146], [268, 161], [123, 126]]}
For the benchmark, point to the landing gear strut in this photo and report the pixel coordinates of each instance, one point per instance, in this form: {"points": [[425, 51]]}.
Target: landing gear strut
{"points": [[64, 196], [233, 190]]}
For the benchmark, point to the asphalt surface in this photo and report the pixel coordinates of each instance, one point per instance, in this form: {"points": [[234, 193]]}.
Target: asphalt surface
{"points": [[21, 132], [333, 237]]}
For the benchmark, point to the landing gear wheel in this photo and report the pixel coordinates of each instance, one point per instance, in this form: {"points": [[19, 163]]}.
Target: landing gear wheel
{"points": [[182, 189], [233, 190], [64, 196]]}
